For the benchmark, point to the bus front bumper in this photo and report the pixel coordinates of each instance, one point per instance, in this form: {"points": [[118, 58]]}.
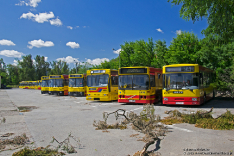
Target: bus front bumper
{"points": [[59, 93], [77, 94], [98, 98], [182, 100]]}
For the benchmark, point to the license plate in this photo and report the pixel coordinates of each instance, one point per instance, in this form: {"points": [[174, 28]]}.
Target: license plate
{"points": [[179, 102], [131, 100], [177, 92]]}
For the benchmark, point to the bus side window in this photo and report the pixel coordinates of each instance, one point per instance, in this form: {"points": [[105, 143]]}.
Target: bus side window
{"points": [[152, 80], [201, 79]]}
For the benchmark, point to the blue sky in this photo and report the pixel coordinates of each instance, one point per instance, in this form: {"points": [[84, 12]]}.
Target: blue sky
{"points": [[85, 30]]}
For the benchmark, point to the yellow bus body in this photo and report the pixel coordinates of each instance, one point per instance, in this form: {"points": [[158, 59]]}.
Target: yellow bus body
{"points": [[58, 85], [45, 84], [140, 85], [103, 91], [77, 85], [187, 84]]}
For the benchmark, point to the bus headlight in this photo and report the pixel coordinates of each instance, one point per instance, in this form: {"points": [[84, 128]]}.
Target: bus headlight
{"points": [[194, 99], [166, 99], [105, 94], [88, 94]]}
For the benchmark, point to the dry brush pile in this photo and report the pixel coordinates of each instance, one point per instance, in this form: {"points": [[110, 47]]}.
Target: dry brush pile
{"points": [[201, 119], [146, 122]]}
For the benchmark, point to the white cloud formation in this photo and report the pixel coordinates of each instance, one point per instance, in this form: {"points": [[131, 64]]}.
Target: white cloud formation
{"points": [[15, 62], [39, 43], [46, 58], [32, 3], [117, 51], [69, 27], [6, 42], [159, 30], [56, 22], [42, 17], [97, 61], [11, 53], [178, 32], [73, 45], [84, 26], [68, 59]]}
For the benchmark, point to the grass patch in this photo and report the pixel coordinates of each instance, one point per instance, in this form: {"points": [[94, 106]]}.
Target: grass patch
{"points": [[201, 119], [37, 152], [13, 86]]}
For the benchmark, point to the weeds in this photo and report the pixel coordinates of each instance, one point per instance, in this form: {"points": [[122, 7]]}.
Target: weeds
{"points": [[37, 152], [146, 123], [16, 141], [202, 119]]}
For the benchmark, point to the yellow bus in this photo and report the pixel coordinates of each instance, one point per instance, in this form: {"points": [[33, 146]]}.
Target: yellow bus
{"points": [[140, 85], [100, 84], [58, 85], [77, 85], [21, 84], [35, 84], [187, 84], [45, 84]]}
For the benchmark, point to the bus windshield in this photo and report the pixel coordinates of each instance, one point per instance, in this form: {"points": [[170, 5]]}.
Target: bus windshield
{"points": [[97, 80], [45, 83], [56, 82], [180, 81], [134, 82], [76, 82]]}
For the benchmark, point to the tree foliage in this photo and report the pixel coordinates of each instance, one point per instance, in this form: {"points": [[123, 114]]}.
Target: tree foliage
{"points": [[219, 14]]}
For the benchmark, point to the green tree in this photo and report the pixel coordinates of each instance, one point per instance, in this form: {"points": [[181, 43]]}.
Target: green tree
{"points": [[42, 67], [183, 49], [219, 14], [160, 51], [26, 69], [138, 53], [13, 71], [59, 68], [3, 72]]}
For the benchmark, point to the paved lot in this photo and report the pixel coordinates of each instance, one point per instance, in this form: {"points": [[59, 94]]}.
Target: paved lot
{"points": [[59, 116]]}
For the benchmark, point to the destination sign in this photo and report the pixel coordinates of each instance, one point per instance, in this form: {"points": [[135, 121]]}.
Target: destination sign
{"points": [[133, 70], [75, 75], [180, 69], [45, 77], [98, 71], [53, 77]]}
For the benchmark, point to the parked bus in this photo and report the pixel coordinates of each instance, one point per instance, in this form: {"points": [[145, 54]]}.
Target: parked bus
{"points": [[26, 85], [187, 84], [58, 84], [77, 85], [39, 85], [102, 84], [45, 84], [21, 84], [35, 84], [140, 85]]}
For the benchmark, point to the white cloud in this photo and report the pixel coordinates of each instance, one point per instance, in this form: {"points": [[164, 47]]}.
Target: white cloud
{"points": [[77, 26], [178, 32], [15, 62], [6, 42], [73, 45], [39, 43], [56, 22], [159, 30], [97, 61], [68, 59], [11, 53], [84, 26], [46, 58], [32, 3], [69, 27], [117, 51], [42, 17]]}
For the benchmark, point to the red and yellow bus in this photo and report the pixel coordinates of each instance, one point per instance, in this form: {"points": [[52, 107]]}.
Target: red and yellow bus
{"points": [[77, 85], [187, 84], [102, 84], [140, 85], [58, 85]]}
